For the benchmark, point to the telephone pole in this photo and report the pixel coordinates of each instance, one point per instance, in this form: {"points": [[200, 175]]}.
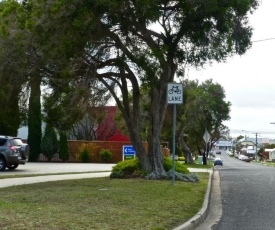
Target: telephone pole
{"points": [[256, 155]]}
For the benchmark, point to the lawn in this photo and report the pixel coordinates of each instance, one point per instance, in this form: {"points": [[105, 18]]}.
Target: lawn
{"points": [[101, 203]]}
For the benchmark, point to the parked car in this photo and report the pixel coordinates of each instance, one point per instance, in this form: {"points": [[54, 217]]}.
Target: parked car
{"points": [[244, 158], [240, 157], [12, 152], [218, 161]]}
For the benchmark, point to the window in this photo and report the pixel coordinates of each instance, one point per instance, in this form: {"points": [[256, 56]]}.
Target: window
{"points": [[2, 141]]}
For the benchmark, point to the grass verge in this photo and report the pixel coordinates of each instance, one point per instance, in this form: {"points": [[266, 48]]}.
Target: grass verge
{"points": [[101, 203], [199, 166]]}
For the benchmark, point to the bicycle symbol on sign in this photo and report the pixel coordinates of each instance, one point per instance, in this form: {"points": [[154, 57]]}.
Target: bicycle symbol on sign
{"points": [[174, 89]]}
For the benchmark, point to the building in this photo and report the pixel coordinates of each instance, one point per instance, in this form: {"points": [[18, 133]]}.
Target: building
{"points": [[223, 145]]}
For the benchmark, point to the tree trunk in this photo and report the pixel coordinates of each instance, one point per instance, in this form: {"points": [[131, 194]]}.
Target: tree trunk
{"points": [[155, 152], [186, 151], [140, 150], [34, 118], [157, 113]]}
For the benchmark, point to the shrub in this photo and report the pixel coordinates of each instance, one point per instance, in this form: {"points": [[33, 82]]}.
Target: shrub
{"points": [[132, 168], [181, 158], [179, 167], [49, 143], [105, 155], [127, 169], [92, 150], [140, 173], [84, 156]]}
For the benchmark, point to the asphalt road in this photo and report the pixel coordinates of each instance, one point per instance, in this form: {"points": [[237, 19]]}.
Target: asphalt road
{"points": [[247, 196]]}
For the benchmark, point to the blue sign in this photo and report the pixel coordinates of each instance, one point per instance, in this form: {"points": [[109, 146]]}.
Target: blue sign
{"points": [[129, 150]]}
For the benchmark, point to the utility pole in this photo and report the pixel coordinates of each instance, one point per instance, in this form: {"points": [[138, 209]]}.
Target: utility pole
{"points": [[256, 155]]}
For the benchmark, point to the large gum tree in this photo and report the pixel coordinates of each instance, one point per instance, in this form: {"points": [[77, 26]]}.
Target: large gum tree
{"points": [[126, 44]]}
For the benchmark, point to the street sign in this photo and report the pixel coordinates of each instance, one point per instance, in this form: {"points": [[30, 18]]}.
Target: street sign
{"points": [[206, 136], [174, 93], [129, 152]]}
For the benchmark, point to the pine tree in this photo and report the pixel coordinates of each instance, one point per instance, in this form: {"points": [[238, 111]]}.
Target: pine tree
{"points": [[63, 147], [49, 143]]}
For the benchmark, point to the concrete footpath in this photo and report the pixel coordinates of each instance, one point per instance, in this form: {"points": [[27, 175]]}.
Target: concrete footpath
{"points": [[80, 171], [38, 179]]}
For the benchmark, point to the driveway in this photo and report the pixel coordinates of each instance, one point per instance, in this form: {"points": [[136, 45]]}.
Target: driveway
{"points": [[50, 167]]}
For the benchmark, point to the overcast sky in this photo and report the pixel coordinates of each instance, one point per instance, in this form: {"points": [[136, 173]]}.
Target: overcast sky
{"points": [[249, 80]]}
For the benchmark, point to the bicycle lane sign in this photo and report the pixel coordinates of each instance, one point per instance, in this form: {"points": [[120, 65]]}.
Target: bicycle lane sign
{"points": [[174, 93]]}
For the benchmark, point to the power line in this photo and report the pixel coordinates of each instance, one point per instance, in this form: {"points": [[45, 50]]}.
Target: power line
{"points": [[263, 40]]}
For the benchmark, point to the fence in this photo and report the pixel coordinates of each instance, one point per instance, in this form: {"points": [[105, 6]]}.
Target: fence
{"points": [[94, 148]]}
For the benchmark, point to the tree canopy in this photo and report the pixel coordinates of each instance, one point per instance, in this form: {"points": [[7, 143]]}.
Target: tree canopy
{"points": [[126, 44], [205, 109]]}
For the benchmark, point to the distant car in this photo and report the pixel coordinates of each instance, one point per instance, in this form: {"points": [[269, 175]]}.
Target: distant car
{"points": [[218, 161], [241, 157], [245, 158], [218, 152], [12, 152]]}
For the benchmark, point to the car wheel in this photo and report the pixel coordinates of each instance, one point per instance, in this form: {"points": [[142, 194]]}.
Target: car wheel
{"points": [[12, 167], [3, 164]]}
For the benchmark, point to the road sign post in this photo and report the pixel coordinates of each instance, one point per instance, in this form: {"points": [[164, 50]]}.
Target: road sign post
{"points": [[206, 138], [174, 96]]}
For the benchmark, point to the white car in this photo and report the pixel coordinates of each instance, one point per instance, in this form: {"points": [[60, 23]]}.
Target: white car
{"points": [[244, 158], [240, 157]]}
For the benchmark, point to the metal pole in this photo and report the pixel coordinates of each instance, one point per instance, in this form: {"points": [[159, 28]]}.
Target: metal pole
{"points": [[174, 145], [205, 154]]}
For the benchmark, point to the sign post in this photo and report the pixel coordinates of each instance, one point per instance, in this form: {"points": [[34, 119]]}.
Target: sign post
{"points": [[206, 138], [174, 96]]}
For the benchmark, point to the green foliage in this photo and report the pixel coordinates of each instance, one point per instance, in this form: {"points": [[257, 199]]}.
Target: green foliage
{"points": [[68, 37], [105, 155], [92, 150], [63, 147], [195, 165], [61, 108], [270, 146], [132, 168], [84, 156], [179, 167], [126, 168], [140, 173], [205, 107], [179, 151], [181, 158], [49, 142], [12, 112]]}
